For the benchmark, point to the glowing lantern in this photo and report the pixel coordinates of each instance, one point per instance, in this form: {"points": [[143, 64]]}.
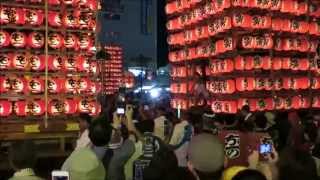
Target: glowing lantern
{"points": [[55, 40], [245, 84], [36, 40], [4, 39], [315, 83], [12, 15], [19, 62], [289, 6], [303, 64], [5, 61], [56, 107], [277, 63], [55, 63], [85, 42], [93, 88], [36, 85], [260, 83], [269, 104], [93, 67], [5, 108], [37, 62], [70, 2], [71, 86], [70, 106], [278, 103], [95, 108], [249, 62], [70, 21], [239, 63], [303, 83], [70, 64], [55, 85], [54, 19], [18, 85], [71, 41], [315, 102], [287, 103], [34, 17], [82, 64], [54, 2], [36, 108], [248, 42], [290, 83], [83, 85], [241, 20], [278, 84], [84, 20], [5, 84], [84, 106], [217, 106], [229, 107], [269, 84], [18, 39], [242, 102], [20, 108]]}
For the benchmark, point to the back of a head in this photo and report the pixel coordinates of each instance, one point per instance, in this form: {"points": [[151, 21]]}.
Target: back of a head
{"points": [[163, 166], [261, 121], [249, 174], [245, 108], [206, 155], [145, 126], [84, 165], [295, 164], [22, 154], [100, 132]]}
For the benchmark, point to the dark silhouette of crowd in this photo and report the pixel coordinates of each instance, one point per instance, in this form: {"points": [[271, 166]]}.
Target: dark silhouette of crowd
{"points": [[150, 142]]}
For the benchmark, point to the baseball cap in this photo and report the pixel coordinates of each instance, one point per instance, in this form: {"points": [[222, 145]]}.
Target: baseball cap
{"points": [[206, 153], [84, 165]]}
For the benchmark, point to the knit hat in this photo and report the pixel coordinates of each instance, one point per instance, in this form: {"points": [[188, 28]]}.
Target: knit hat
{"points": [[229, 173], [84, 165], [206, 153]]}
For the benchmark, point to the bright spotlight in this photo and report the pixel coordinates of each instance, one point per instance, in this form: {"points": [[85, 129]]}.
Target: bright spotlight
{"points": [[154, 93]]}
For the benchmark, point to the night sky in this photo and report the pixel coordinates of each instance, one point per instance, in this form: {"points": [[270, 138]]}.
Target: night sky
{"points": [[162, 35]]}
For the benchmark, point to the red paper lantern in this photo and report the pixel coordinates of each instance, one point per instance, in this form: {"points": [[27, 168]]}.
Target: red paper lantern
{"points": [[4, 39], [93, 67], [245, 84], [55, 107], [229, 107], [36, 40], [55, 40], [70, 63], [260, 84], [287, 103], [9, 15], [277, 63], [19, 85], [217, 106], [54, 2], [34, 17], [70, 106], [85, 42], [37, 62], [93, 88], [54, 19], [83, 85], [249, 62], [5, 84], [18, 39], [315, 83], [20, 108], [71, 86], [303, 83], [36, 85], [243, 102], [19, 62], [55, 85], [55, 63], [84, 106], [70, 2], [278, 103], [95, 108], [36, 108], [5, 108], [85, 20], [70, 21], [5, 61], [71, 41], [269, 84]]}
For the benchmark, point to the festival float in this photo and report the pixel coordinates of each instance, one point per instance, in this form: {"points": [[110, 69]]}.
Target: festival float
{"points": [[256, 53], [48, 72]]}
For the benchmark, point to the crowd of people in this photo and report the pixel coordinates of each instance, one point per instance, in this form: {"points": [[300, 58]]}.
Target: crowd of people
{"points": [[154, 142]]}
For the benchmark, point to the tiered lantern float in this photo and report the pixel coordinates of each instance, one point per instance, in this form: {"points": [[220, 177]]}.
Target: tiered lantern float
{"points": [[69, 63], [264, 61], [112, 70]]}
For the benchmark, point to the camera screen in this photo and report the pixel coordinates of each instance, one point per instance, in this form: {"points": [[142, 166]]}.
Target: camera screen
{"points": [[120, 110], [265, 148]]}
